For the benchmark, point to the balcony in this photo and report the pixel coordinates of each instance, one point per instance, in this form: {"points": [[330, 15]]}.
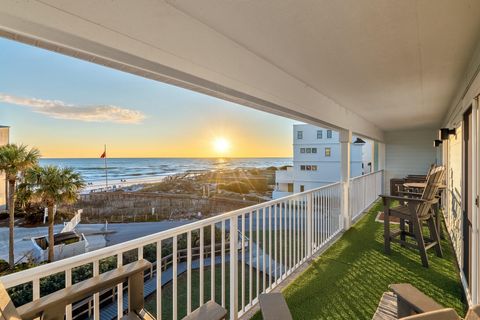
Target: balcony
{"points": [[394, 73], [262, 245], [265, 246]]}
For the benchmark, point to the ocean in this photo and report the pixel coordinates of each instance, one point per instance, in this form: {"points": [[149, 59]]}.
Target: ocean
{"points": [[131, 170]]}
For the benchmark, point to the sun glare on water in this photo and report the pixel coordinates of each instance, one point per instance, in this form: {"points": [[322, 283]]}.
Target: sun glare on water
{"points": [[221, 145]]}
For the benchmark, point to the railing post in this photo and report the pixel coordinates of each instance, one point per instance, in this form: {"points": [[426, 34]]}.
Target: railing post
{"points": [[309, 224], [234, 267], [345, 140]]}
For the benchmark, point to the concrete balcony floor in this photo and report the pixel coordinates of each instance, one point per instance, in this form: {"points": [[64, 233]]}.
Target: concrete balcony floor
{"points": [[347, 281]]}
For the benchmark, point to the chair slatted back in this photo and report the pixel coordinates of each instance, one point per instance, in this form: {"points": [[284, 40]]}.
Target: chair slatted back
{"points": [[434, 182], [7, 309]]}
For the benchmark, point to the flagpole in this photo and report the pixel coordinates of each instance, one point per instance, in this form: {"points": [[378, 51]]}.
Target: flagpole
{"points": [[106, 168]]}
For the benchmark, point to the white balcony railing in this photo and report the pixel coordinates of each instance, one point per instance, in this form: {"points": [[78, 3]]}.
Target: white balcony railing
{"points": [[363, 191], [261, 245]]}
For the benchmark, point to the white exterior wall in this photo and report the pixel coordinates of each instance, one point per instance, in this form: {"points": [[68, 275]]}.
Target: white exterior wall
{"points": [[408, 152], [328, 168], [453, 211], [467, 96], [4, 139]]}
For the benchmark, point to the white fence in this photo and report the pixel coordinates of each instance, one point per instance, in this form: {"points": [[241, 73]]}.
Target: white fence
{"points": [[276, 237], [363, 191]]}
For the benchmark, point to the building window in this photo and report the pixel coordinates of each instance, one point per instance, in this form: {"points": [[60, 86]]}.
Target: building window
{"points": [[299, 135], [319, 134], [314, 150], [309, 168], [290, 187], [302, 150], [302, 168], [314, 168], [328, 152], [309, 150], [329, 134], [302, 188]]}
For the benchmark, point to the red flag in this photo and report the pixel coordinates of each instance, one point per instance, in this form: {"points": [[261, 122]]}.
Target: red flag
{"points": [[104, 154]]}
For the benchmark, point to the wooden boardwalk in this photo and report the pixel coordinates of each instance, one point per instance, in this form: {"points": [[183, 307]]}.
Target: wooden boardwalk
{"points": [[110, 311]]}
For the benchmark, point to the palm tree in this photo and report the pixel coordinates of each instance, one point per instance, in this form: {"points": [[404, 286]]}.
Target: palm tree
{"points": [[14, 160], [53, 185]]}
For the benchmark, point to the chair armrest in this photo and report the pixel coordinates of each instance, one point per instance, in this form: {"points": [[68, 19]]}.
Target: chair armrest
{"points": [[389, 197], [274, 307], [443, 314], [414, 194], [473, 313], [410, 300], [54, 303], [208, 311]]}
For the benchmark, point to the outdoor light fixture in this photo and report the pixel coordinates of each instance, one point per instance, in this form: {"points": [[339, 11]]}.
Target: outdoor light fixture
{"points": [[437, 143], [445, 132]]}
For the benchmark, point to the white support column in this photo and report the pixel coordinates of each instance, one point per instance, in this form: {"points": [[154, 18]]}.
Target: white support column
{"points": [[345, 141], [382, 165]]}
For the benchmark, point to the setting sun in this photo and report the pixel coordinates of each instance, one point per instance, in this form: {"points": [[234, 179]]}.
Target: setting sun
{"points": [[221, 145]]}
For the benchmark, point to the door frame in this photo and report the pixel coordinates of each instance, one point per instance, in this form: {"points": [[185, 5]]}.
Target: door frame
{"points": [[472, 276], [475, 245], [467, 199]]}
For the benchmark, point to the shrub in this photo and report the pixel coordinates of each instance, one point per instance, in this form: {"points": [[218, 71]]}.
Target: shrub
{"points": [[236, 186], [3, 266], [259, 185]]}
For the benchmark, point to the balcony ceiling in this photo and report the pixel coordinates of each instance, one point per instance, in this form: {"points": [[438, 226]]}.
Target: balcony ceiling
{"points": [[370, 65], [397, 63]]}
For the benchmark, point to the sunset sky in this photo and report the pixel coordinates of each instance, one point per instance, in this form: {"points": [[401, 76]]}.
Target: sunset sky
{"points": [[71, 108]]}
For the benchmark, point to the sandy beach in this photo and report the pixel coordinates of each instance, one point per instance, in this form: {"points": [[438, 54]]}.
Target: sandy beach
{"points": [[99, 186]]}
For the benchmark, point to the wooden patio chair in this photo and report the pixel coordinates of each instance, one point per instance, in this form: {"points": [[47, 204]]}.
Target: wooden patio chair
{"points": [[416, 211], [416, 192], [412, 304], [52, 306], [208, 311], [420, 177]]}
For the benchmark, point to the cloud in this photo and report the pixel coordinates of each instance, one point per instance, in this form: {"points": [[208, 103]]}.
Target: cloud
{"points": [[90, 113]]}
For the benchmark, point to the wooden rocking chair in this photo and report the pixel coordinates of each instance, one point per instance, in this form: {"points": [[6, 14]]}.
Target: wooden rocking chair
{"points": [[415, 211]]}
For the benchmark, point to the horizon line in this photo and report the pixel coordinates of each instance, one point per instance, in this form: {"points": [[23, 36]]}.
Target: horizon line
{"points": [[173, 157]]}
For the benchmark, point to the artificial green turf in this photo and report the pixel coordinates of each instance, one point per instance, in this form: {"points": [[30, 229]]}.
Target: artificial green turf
{"points": [[347, 281]]}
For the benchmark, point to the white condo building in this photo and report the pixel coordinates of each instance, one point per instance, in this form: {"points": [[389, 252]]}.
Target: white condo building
{"points": [[317, 160]]}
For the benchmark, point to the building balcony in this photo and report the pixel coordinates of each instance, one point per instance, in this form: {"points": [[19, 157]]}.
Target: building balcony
{"points": [[266, 246], [284, 176]]}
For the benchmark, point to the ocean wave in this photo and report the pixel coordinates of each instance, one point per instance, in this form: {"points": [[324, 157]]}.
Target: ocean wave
{"points": [[131, 168]]}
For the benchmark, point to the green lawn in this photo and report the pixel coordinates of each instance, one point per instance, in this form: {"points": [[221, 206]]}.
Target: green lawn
{"points": [[347, 281]]}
